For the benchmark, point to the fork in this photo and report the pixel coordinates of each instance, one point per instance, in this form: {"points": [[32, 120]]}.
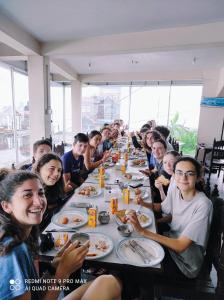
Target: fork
{"points": [[135, 250]]}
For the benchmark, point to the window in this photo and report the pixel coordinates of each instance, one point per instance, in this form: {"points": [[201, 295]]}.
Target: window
{"points": [[22, 116], [61, 113], [57, 103], [99, 105], [7, 137]]}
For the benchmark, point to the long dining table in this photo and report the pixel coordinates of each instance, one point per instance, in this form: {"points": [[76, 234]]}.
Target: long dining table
{"points": [[113, 177]]}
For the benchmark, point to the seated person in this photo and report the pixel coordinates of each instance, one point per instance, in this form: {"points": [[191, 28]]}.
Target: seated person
{"points": [[73, 161], [149, 138], [40, 148], [22, 205], [49, 169], [137, 144], [105, 143], [114, 136], [164, 131], [90, 156], [166, 180], [191, 214]]}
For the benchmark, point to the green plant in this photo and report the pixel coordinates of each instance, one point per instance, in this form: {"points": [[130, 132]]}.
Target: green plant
{"points": [[186, 136]]}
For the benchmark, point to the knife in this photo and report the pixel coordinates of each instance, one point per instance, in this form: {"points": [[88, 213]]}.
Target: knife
{"points": [[61, 230], [145, 260], [138, 247]]}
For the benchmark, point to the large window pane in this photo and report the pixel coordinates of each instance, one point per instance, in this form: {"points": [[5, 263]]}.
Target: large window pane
{"points": [[57, 112], [184, 115], [7, 144], [69, 136], [100, 104], [149, 103], [22, 116]]}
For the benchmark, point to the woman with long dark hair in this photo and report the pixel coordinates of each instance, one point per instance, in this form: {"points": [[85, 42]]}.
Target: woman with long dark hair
{"points": [[22, 205]]}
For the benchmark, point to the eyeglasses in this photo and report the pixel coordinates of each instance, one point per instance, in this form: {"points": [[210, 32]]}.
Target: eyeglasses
{"points": [[185, 174]]}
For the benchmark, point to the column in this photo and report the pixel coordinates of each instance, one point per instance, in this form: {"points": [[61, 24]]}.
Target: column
{"points": [[76, 96], [39, 97]]}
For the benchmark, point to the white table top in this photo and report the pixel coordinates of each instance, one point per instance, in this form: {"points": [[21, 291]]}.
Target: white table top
{"points": [[102, 202]]}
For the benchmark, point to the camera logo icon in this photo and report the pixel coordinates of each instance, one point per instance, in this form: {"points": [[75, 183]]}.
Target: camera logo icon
{"points": [[14, 284]]}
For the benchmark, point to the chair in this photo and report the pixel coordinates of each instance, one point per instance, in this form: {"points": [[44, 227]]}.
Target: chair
{"points": [[59, 149], [202, 287], [217, 158]]}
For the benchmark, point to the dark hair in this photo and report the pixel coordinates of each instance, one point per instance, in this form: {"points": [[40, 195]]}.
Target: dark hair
{"points": [[162, 142], [8, 187], [81, 137], [117, 123], [155, 134], [173, 152], [105, 128], [192, 160], [56, 192], [4, 172], [144, 129], [199, 186], [106, 124], [163, 130], [41, 142], [146, 125], [94, 133]]}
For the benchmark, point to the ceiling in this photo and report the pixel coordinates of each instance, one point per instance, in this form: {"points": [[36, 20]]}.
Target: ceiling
{"points": [[105, 37]]}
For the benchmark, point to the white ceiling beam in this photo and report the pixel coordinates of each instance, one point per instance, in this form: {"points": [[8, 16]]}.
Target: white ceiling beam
{"points": [[188, 37], [143, 76], [59, 67], [15, 37]]}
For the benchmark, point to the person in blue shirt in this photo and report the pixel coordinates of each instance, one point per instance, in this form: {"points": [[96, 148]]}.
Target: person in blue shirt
{"points": [[22, 205], [105, 143], [73, 161]]}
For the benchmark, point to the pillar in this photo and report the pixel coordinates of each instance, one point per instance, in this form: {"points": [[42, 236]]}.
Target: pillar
{"points": [[76, 97]]}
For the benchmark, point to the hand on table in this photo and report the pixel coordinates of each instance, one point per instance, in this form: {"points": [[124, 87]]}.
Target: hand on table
{"points": [[146, 172]]}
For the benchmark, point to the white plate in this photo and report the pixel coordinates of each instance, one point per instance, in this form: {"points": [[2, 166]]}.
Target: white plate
{"points": [[143, 224], [95, 237], [97, 193], [95, 176], [127, 256], [135, 176], [143, 165], [144, 194], [70, 214]]}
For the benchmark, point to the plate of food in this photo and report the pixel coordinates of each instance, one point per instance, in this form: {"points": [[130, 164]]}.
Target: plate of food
{"points": [[89, 191], [121, 217], [100, 245], [140, 252], [138, 163], [134, 176], [96, 175], [70, 218], [139, 192]]}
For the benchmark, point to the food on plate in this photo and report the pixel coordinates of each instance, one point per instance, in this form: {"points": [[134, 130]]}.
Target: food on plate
{"points": [[138, 162], [162, 179], [129, 211], [101, 245], [143, 218], [58, 242], [64, 220], [121, 215], [128, 176], [91, 254], [88, 191], [76, 219]]}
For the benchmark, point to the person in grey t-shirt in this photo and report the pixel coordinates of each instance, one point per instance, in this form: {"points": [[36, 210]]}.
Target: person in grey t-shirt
{"points": [[191, 214]]}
